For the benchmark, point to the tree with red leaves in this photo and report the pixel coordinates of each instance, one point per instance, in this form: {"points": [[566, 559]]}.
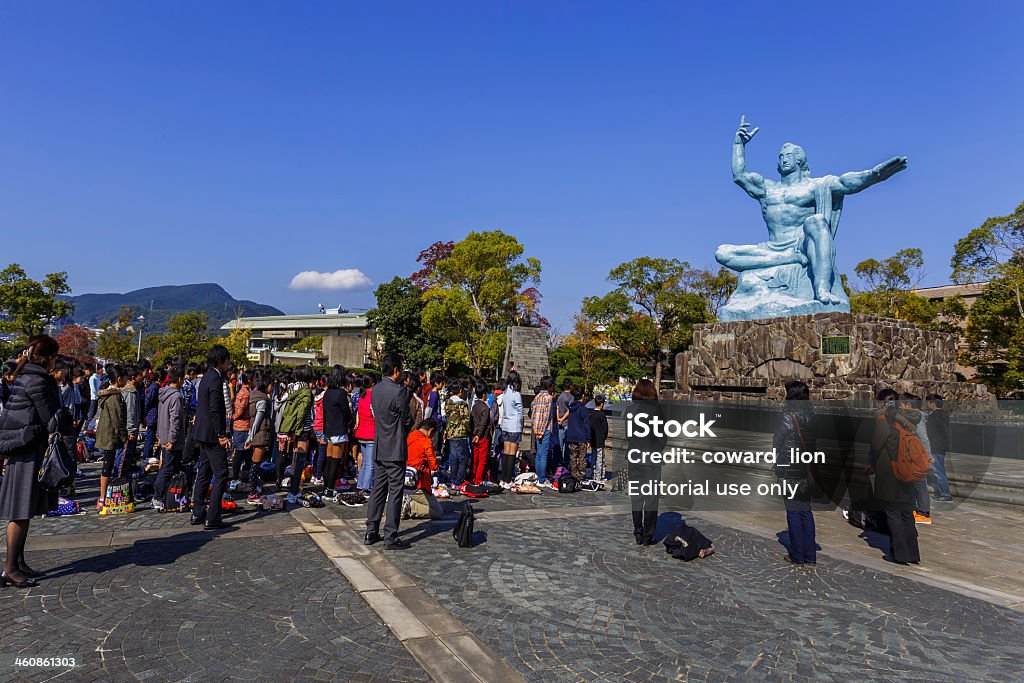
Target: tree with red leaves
{"points": [[78, 343], [426, 277]]}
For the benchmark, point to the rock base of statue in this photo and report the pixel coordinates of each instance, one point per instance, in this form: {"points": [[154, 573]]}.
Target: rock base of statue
{"points": [[839, 355], [765, 293]]}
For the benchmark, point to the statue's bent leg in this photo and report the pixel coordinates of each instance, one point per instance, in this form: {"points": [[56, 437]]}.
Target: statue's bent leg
{"points": [[822, 253], [751, 256]]}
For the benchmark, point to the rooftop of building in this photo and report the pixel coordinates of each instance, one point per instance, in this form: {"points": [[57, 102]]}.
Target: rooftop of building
{"points": [[313, 321]]}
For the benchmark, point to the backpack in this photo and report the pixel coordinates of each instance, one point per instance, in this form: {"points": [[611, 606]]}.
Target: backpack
{"points": [[911, 462], [568, 484], [176, 498], [686, 543], [463, 531]]}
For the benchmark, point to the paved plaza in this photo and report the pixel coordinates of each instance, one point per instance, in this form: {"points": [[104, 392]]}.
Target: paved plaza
{"points": [[555, 590]]}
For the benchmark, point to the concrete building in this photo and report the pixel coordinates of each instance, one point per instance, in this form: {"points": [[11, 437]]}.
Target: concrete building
{"points": [[348, 338]]}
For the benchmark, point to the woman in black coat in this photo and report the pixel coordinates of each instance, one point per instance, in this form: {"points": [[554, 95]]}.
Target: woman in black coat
{"points": [[33, 411], [645, 508], [796, 430]]}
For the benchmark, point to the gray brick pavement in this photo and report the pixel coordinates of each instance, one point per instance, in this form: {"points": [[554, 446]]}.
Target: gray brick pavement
{"points": [[266, 609]]}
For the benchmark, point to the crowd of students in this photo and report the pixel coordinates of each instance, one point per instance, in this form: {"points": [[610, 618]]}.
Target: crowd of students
{"points": [[320, 422], [343, 431]]}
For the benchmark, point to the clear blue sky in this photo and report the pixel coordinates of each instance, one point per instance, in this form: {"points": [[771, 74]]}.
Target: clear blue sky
{"points": [[148, 143]]}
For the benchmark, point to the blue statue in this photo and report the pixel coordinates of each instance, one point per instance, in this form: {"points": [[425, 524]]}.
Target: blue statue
{"points": [[793, 273]]}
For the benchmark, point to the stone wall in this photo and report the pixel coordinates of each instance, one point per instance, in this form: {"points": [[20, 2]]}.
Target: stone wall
{"points": [[755, 358]]}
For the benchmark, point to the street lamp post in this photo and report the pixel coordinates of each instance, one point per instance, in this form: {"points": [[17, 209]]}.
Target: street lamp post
{"points": [[142, 324]]}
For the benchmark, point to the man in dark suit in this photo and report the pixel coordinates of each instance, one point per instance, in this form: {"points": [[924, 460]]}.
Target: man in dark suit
{"points": [[210, 433], [392, 422]]}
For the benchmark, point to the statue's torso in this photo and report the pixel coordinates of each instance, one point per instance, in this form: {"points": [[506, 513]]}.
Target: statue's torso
{"points": [[786, 207]]}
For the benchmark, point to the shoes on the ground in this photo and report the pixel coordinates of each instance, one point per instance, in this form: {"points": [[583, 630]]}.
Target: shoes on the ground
{"points": [[789, 558], [922, 519], [254, 499], [210, 526], [888, 558], [372, 537], [8, 581], [396, 544], [650, 541], [291, 499], [99, 504], [195, 521], [234, 484], [944, 499], [157, 505], [317, 481]]}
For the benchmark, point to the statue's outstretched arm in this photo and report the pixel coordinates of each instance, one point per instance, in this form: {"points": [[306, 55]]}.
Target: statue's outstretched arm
{"points": [[752, 183], [855, 181]]}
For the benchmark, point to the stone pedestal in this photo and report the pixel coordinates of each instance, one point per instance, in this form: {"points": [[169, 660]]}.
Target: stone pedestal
{"points": [[839, 355]]}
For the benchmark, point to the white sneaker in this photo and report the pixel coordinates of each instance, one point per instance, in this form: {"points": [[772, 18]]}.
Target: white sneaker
{"points": [[317, 481]]}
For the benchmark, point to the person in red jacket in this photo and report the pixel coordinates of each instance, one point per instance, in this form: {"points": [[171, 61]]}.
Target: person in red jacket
{"points": [[420, 443], [421, 453]]}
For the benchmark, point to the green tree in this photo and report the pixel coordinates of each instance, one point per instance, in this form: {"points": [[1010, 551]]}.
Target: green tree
{"points": [[650, 314], [715, 288], [115, 343], [888, 292], [27, 306], [398, 319], [994, 251], [311, 344], [237, 343], [476, 292], [186, 338]]}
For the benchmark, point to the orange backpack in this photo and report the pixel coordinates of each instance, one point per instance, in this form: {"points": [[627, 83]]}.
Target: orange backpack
{"points": [[912, 463]]}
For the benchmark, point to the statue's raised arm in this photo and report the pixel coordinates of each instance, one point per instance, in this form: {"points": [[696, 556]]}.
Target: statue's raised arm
{"points": [[855, 181], [752, 183]]}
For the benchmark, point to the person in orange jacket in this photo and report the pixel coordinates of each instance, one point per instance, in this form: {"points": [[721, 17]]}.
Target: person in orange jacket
{"points": [[421, 452]]}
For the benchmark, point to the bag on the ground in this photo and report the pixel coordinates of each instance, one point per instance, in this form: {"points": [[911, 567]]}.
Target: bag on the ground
{"points": [[64, 507], [176, 498], [591, 485], [118, 499], [525, 478], [567, 484], [58, 466], [912, 461], [525, 488], [474, 491], [418, 505], [352, 498], [861, 516], [463, 531], [310, 499], [686, 543], [492, 489], [227, 503]]}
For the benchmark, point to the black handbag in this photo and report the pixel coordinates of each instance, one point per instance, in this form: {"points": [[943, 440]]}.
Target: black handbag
{"points": [[58, 467], [463, 531]]}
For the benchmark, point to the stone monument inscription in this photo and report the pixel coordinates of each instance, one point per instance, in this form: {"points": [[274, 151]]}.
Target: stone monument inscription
{"points": [[794, 272]]}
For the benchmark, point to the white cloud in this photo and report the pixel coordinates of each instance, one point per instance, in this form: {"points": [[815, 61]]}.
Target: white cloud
{"points": [[340, 280]]}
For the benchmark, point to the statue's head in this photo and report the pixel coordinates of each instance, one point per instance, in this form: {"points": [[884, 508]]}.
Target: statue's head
{"points": [[792, 158]]}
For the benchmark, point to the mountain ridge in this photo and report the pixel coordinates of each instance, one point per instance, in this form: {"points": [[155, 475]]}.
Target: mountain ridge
{"points": [[159, 304]]}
